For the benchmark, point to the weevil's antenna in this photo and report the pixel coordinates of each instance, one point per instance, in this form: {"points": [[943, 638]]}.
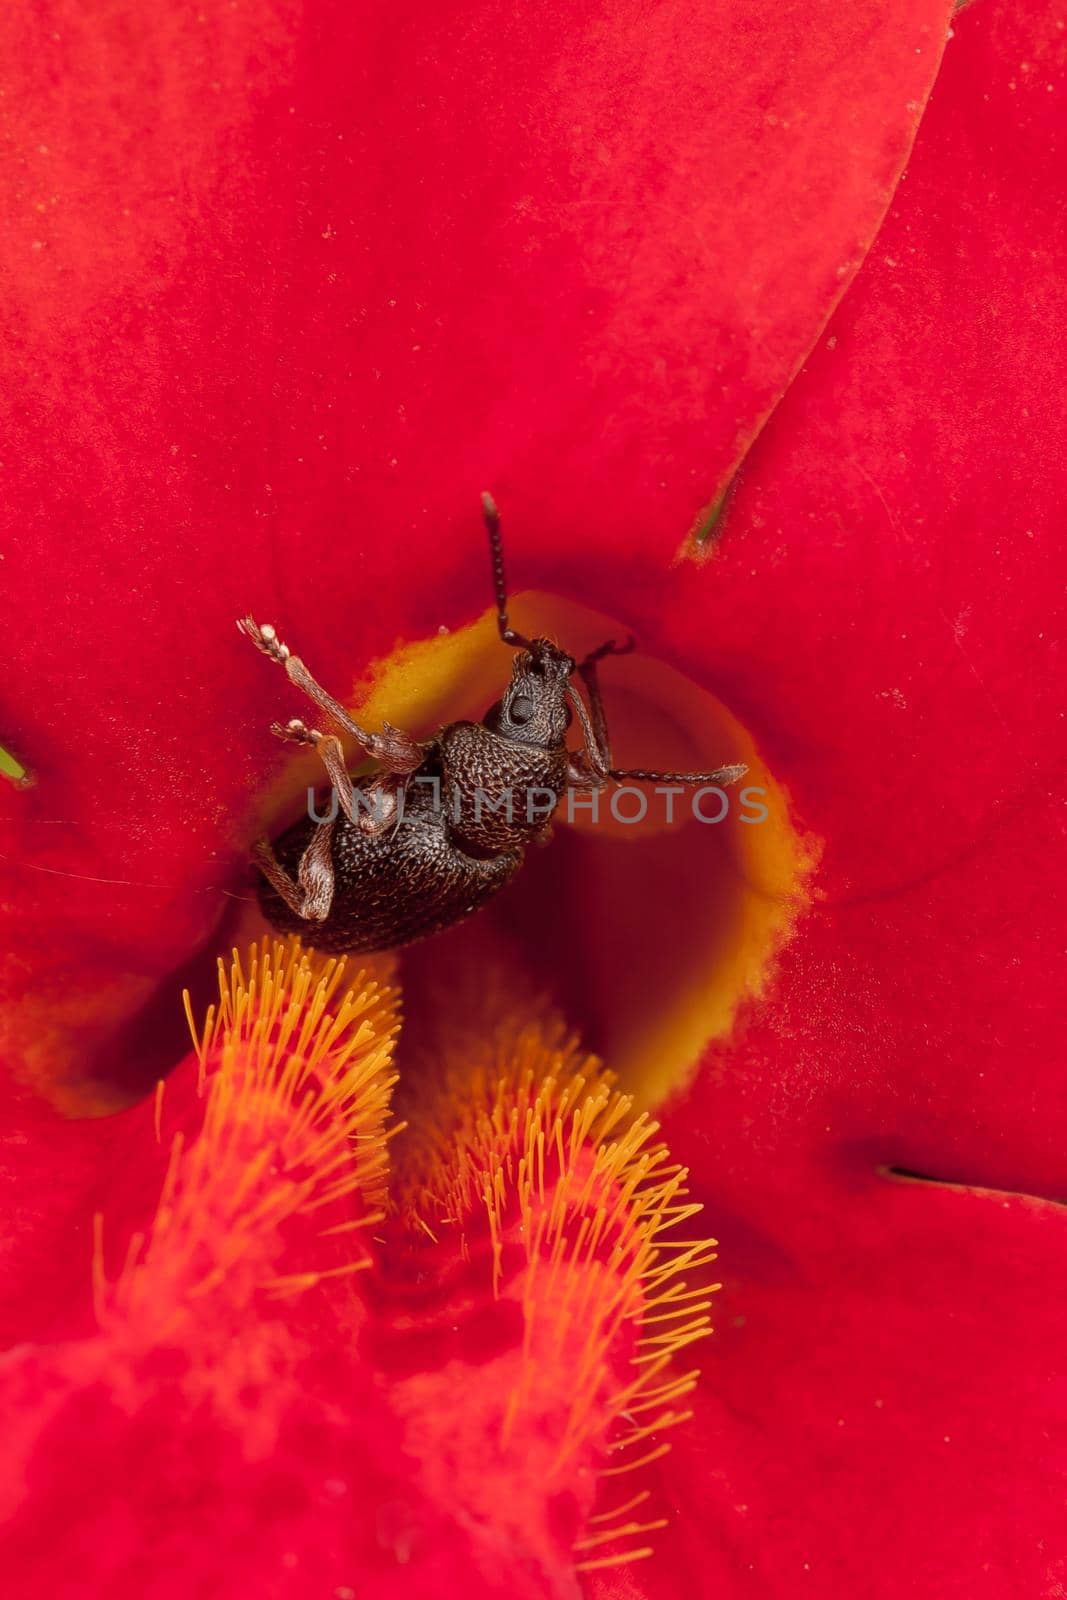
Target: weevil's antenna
{"points": [[500, 588]]}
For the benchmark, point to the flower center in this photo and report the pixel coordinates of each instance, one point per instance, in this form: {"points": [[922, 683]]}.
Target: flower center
{"points": [[500, 1268], [652, 920]]}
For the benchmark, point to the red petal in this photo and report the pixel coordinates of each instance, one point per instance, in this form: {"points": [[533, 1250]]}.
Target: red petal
{"points": [[49, 1169], [885, 1411], [897, 528], [888, 609]]}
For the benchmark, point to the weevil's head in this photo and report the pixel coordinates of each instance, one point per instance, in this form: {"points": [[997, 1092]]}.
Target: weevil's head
{"points": [[534, 708]]}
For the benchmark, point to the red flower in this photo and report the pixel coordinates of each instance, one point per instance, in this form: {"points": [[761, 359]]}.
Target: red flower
{"points": [[286, 292]]}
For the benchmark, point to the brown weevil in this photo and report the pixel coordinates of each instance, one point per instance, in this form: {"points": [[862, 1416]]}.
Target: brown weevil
{"points": [[444, 822]]}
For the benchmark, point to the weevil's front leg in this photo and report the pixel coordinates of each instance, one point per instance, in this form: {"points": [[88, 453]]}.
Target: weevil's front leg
{"points": [[331, 752], [582, 777], [311, 896], [720, 775], [598, 716], [590, 768], [609, 648], [598, 741], [381, 797], [392, 747]]}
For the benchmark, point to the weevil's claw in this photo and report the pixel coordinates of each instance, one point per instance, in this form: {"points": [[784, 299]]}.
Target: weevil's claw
{"points": [[730, 774], [608, 648], [295, 731], [264, 638]]}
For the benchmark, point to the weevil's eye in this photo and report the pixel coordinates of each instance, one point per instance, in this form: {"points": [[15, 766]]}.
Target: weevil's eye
{"points": [[521, 709]]}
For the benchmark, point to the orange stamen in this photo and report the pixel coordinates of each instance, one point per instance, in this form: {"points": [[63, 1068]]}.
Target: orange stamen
{"points": [[295, 1075], [521, 1150]]}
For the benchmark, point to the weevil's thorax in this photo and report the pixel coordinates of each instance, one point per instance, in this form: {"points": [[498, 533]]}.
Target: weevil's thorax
{"points": [[501, 778]]}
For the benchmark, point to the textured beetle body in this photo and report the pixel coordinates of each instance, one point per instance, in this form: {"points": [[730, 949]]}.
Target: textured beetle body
{"points": [[498, 794], [445, 823], [395, 886]]}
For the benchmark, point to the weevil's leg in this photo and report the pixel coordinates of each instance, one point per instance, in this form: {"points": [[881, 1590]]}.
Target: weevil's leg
{"points": [[392, 747], [587, 770], [608, 648], [589, 766], [598, 716], [582, 776], [721, 775], [332, 755], [311, 896], [587, 671], [295, 731], [382, 810], [381, 798]]}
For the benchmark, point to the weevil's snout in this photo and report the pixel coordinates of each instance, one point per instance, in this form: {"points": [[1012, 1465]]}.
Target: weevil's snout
{"points": [[545, 660], [534, 709]]}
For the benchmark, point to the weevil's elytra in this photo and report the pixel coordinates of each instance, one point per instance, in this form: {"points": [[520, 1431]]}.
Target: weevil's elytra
{"points": [[443, 823]]}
